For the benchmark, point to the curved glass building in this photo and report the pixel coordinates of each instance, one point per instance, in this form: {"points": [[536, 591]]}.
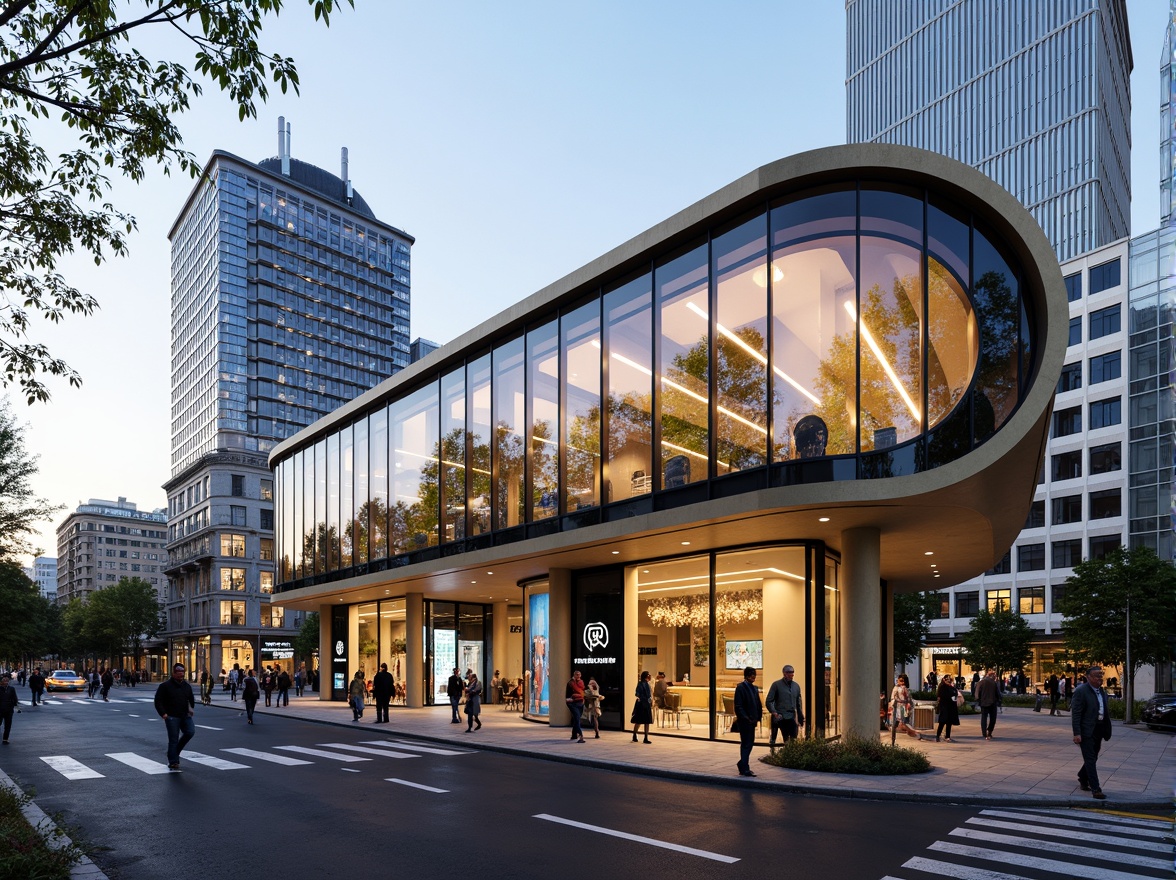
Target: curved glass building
{"points": [[725, 443]]}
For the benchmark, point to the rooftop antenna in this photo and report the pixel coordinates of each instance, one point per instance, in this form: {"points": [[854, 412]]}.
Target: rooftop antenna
{"points": [[346, 179]]}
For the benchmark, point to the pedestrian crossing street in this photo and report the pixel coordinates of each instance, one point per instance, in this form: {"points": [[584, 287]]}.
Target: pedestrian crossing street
{"points": [[347, 753], [1035, 844]]}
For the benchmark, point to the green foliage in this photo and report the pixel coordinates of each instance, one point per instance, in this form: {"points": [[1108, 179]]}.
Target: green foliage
{"points": [[913, 613], [20, 509], [306, 642], [865, 757], [998, 640], [117, 618], [18, 622], [1095, 608], [75, 62], [25, 851]]}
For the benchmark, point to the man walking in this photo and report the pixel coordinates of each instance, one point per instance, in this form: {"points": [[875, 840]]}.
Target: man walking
{"points": [[575, 700], [785, 707], [1054, 693], [9, 704], [107, 684], [36, 686], [988, 696], [748, 713], [176, 705], [455, 688], [383, 687], [1090, 718], [283, 688]]}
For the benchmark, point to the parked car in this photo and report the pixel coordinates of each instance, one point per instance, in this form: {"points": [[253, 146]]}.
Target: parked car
{"points": [[64, 680], [1160, 712]]}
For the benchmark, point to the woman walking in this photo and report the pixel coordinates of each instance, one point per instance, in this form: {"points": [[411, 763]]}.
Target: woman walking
{"points": [[643, 708], [473, 706], [947, 702], [251, 690], [900, 709], [592, 700], [356, 692]]}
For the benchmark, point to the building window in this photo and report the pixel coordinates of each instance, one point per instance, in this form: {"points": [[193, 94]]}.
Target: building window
{"points": [[267, 520], [237, 515], [1106, 321], [1058, 593], [238, 485], [1106, 503], [1101, 545], [1071, 377], [1066, 554], [232, 545], [1105, 367], [1073, 287], [1067, 509], [1104, 413], [1066, 465], [267, 490], [1067, 421], [999, 600], [1104, 277], [273, 615], [232, 613], [1075, 330], [267, 582], [267, 550], [232, 578], [1031, 600], [1106, 458], [944, 606], [1031, 557], [967, 604], [1005, 566], [1036, 518]]}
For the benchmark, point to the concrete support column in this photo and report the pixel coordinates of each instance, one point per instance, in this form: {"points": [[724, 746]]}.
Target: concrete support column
{"points": [[861, 631], [500, 639], [326, 651], [414, 649], [559, 646]]}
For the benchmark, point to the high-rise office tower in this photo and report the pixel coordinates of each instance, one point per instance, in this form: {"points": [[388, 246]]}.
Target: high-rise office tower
{"points": [[289, 298], [1035, 95]]}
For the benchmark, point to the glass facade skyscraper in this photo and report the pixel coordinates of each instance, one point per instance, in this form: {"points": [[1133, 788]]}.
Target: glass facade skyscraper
{"points": [[1036, 96], [1168, 121]]}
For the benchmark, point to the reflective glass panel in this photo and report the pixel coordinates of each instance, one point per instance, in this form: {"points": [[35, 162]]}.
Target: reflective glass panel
{"points": [[360, 526], [629, 344], [307, 534], [346, 501], [509, 434], [332, 530], [684, 368], [581, 403], [543, 418], [320, 507], [478, 413], [952, 338], [378, 509], [393, 643], [412, 509], [995, 300], [453, 454], [289, 528]]}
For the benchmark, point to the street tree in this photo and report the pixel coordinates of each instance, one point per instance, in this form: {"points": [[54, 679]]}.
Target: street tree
{"points": [[19, 624], [80, 64], [999, 640], [118, 618], [1099, 595], [306, 641], [913, 613], [20, 508]]}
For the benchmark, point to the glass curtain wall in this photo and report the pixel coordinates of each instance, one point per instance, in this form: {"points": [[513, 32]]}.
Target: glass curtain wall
{"points": [[543, 419], [478, 450], [580, 349], [457, 638], [628, 315], [453, 456], [683, 368]]}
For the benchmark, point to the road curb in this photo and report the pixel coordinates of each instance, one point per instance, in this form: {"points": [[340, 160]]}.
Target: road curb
{"points": [[760, 783], [84, 869]]}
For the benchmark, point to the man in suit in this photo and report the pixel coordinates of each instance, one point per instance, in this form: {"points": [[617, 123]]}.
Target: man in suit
{"points": [[1090, 717], [383, 688], [785, 707], [988, 696], [749, 712], [1054, 693]]}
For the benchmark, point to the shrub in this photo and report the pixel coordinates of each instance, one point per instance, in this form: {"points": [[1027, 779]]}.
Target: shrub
{"points": [[1119, 709], [867, 757], [26, 852]]}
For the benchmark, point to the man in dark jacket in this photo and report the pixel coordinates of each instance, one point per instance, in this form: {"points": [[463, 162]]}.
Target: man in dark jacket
{"points": [[784, 705], [1054, 694], [283, 688], [176, 705], [107, 684], [37, 686], [1090, 717], [383, 687], [749, 712], [454, 689], [9, 704], [988, 696]]}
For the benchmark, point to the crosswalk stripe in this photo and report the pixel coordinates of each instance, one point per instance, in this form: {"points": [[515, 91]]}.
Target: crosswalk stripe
{"points": [[1087, 852], [52, 702], [1074, 869], [71, 769], [382, 752], [113, 700], [319, 753], [959, 872], [206, 727], [418, 785], [428, 750], [1102, 817], [1068, 834], [266, 756], [1072, 823], [145, 699], [139, 762], [213, 761]]}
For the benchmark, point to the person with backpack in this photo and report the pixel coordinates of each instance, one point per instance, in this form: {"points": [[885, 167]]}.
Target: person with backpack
{"points": [[267, 685], [107, 684], [250, 691], [283, 688]]}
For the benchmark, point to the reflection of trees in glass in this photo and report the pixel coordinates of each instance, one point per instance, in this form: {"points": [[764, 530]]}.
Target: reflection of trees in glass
{"points": [[948, 330], [510, 449], [544, 469], [741, 382], [683, 393], [998, 312]]}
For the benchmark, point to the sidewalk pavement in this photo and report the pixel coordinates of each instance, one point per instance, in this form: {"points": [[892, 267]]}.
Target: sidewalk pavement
{"points": [[1031, 760]]}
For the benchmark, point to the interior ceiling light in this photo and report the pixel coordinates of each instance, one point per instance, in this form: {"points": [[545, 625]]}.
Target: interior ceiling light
{"points": [[929, 553], [823, 519], [886, 368], [685, 543], [616, 553]]}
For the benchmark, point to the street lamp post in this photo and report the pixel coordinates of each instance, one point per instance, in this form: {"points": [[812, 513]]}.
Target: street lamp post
{"points": [[1129, 684]]}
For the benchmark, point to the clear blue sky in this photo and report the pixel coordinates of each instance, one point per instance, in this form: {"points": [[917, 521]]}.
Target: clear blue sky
{"points": [[515, 141]]}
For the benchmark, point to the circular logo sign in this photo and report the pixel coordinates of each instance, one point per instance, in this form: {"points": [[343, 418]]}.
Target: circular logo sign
{"points": [[339, 648], [595, 635]]}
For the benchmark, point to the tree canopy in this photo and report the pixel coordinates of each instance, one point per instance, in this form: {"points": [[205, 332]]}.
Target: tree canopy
{"points": [[20, 508], [76, 63], [998, 640], [913, 613]]}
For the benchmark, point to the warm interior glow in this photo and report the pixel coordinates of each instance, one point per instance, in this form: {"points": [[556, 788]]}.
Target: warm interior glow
{"points": [[889, 370]]}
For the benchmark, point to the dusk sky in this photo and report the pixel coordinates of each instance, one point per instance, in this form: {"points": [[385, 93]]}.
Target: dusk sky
{"points": [[515, 142]]}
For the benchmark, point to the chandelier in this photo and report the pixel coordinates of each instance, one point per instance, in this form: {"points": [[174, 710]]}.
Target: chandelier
{"points": [[734, 607]]}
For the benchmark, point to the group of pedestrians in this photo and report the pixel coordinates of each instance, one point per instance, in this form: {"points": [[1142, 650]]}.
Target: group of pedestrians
{"points": [[383, 689]]}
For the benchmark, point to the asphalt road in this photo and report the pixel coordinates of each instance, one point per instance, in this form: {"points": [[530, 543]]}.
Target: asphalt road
{"points": [[415, 809]]}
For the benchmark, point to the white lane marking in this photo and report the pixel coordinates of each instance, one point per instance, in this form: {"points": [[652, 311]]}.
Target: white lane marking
{"points": [[1077, 824], [145, 699], [418, 785], [1074, 869], [348, 769], [204, 726], [112, 700], [139, 762], [1114, 820], [319, 753], [959, 872], [384, 753], [213, 761], [71, 769], [52, 702], [1088, 852], [1068, 833], [266, 756], [428, 750], [689, 850]]}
